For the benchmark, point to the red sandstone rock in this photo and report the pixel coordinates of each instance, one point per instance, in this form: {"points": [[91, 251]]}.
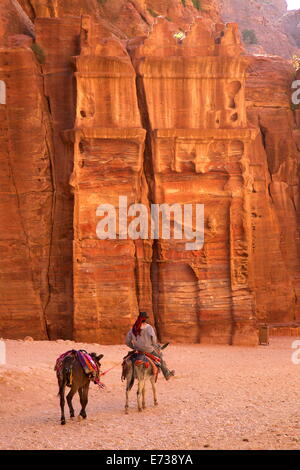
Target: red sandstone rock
{"points": [[59, 40], [26, 199], [125, 18], [13, 20], [58, 8], [197, 158], [19, 40], [95, 105], [291, 25], [275, 35], [109, 143], [275, 196]]}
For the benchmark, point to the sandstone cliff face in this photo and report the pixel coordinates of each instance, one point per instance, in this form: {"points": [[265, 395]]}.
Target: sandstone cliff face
{"points": [[274, 167], [109, 144], [200, 157], [275, 33], [291, 24], [126, 18], [26, 197], [277, 30], [13, 21], [154, 119], [37, 233], [191, 157]]}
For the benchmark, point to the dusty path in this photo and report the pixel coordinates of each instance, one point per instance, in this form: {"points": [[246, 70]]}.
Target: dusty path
{"points": [[222, 398]]}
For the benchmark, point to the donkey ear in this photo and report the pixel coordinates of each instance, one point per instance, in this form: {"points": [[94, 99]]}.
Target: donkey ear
{"points": [[165, 346], [99, 357]]}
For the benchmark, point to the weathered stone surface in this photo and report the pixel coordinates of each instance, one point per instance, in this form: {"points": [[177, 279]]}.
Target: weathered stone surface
{"points": [[26, 198], [39, 127], [109, 143], [200, 157], [125, 18], [174, 122], [291, 25], [274, 166], [13, 20], [58, 8], [135, 18], [59, 39], [274, 30]]}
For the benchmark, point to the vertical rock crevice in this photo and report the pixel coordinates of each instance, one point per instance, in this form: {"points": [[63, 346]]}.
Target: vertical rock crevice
{"points": [[49, 145], [59, 39], [148, 172]]}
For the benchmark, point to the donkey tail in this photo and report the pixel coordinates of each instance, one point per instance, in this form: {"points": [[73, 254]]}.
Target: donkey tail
{"points": [[64, 377], [62, 385], [130, 384]]}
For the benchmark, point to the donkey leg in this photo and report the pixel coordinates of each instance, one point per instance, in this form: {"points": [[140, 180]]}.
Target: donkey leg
{"points": [[69, 400], [139, 393], [152, 380], [62, 403], [128, 380], [144, 396], [83, 393], [127, 399]]}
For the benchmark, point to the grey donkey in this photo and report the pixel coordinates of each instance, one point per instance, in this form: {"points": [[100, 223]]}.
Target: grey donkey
{"points": [[132, 371]]}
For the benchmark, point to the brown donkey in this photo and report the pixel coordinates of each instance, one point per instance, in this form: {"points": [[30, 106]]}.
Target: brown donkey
{"points": [[132, 370], [73, 375]]}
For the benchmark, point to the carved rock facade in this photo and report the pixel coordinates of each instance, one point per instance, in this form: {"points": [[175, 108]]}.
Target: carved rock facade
{"points": [[197, 151], [160, 118]]}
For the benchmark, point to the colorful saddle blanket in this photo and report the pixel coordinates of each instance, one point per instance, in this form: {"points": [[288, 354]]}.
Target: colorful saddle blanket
{"points": [[142, 358], [87, 363]]}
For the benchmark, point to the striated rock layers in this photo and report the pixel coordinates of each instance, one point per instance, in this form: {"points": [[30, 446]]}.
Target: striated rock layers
{"points": [[26, 197], [274, 167], [125, 18], [108, 162], [14, 23], [36, 203], [157, 119], [197, 151]]}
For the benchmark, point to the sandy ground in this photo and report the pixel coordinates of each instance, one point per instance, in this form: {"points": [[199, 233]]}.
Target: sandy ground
{"points": [[221, 398]]}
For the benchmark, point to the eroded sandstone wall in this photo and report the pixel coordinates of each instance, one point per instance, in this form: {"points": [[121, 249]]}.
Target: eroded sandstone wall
{"points": [[197, 152], [125, 18], [199, 155], [275, 29], [274, 166], [59, 40], [111, 277], [37, 205], [13, 22], [26, 197], [156, 119]]}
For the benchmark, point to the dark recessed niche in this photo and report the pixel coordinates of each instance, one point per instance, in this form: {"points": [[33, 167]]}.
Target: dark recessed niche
{"points": [[81, 146]]}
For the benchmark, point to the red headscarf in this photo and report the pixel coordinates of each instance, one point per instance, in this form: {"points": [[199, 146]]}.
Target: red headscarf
{"points": [[136, 329]]}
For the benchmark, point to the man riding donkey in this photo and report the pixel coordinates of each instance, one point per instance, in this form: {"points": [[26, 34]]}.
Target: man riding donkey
{"points": [[142, 339]]}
